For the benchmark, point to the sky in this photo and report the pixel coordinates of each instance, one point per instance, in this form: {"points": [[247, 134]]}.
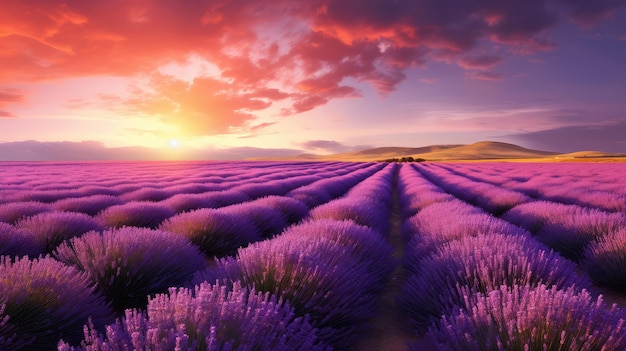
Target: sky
{"points": [[229, 79]]}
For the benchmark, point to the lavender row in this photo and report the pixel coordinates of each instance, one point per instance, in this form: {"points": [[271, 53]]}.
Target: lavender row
{"points": [[594, 238], [216, 232], [368, 203], [329, 270], [308, 288], [179, 202], [470, 274], [600, 186], [493, 199], [586, 235], [451, 244], [206, 317], [235, 226], [131, 186]]}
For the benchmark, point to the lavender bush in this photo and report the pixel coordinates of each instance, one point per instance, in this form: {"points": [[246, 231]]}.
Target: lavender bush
{"points": [[359, 210], [532, 318], [14, 211], [52, 228], [571, 235], [213, 232], [136, 214], [480, 263], [605, 260], [331, 281], [292, 210], [18, 242], [209, 317], [131, 263], [146, 194], [44, 300], [90, 205], [268, 221]]}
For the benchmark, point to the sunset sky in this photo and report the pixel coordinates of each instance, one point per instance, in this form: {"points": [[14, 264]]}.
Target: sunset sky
{"points": [[249, 78]]}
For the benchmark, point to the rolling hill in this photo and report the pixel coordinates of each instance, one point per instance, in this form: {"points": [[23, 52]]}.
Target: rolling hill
{"points": [[483, 150]]}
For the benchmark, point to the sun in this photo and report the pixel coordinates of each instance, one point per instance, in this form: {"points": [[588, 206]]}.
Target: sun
{"points": [[174, 143]]}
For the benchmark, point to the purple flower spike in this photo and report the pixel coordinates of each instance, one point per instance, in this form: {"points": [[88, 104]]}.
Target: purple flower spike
{"points": [[135, 214], [18, 242], [43, 300], [523, 318], [14, 211], [209, 317], [90, 205], [52, 228], [605, 260], [481, 263], [131, 263], [214, 232]]}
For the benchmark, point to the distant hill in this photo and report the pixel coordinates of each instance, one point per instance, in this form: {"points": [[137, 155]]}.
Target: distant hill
{"points": [[483, 150]]}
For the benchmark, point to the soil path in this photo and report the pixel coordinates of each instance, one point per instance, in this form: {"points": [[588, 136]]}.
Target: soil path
{"points": [[388, 331]]}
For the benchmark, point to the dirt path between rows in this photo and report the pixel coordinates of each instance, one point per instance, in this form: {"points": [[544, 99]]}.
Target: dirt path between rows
{"points": [[388, 330]]}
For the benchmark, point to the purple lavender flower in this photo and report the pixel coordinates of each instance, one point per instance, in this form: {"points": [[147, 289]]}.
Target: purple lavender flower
{"points": [[44, 300], [209, 317], [14, 211], [146, 194], [90, 205], [292, 210], [136, 214], [605, 259], [532, 318], [480, 263], [214, 232], [131, 263], [89, 190], [52, 228], [18, 242], [359, 210], [269, 221], [328, 270], [571, 234]]}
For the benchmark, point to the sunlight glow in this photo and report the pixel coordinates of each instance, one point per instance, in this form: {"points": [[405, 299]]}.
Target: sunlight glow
{"points": [[174, 143]]}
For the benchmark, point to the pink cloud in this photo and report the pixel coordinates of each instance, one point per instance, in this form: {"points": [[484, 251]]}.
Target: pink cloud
{"points": [[301, 53], [480, 62], [9, 96]]}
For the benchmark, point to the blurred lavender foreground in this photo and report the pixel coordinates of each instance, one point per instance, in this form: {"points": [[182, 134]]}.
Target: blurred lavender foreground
{"points": [[43, 300], [208, 317]]}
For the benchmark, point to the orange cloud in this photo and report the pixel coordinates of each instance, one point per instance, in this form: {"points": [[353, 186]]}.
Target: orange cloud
{"points": [[304, 53], [9, 96]]}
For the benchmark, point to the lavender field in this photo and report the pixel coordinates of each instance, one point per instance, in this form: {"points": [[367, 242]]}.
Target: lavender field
{"points": [[308, 256]]}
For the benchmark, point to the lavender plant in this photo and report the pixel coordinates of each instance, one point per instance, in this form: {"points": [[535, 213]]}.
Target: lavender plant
{"points": [[605, 260], [14, 211], [52, 228], [209, 317], [268, 221], [135, 214], [18, 242], [128, 264], [44, 300], [359, 210], [334, 281], [146, 194], [213, 232], [480, 263], [532, 318], [90, 205], [292, 210]]}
